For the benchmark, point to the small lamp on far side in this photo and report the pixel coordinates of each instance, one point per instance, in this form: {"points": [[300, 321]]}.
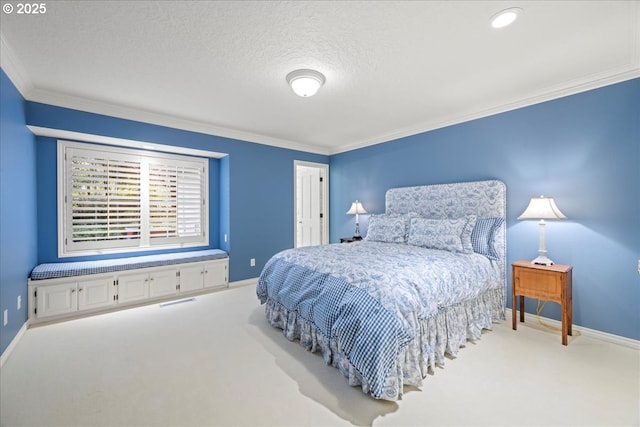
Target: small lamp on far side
{"points": [[542, 208], [356, 209]]}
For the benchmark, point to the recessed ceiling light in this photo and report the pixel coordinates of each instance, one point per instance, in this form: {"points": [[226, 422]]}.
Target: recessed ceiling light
{"points": [[505, 17], [305, 82]]}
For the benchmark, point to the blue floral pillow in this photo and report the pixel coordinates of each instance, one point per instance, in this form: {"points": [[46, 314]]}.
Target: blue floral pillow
{"points": [[388, 228], [452, 235], [483, 236]]}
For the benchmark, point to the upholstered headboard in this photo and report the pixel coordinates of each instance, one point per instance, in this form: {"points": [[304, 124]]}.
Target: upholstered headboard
{"points": [[485, 199]]}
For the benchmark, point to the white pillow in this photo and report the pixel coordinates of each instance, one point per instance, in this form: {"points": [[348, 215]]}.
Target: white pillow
{"points": [[452, 235], [388, 228]]}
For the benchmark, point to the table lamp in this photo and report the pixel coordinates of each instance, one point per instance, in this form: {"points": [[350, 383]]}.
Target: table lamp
{"points": [[357, 209], [542, 208]]}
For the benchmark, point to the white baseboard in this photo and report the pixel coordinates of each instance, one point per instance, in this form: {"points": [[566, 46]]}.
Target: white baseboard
{"points": [[7, 352], [253, 281], [592, 333]]}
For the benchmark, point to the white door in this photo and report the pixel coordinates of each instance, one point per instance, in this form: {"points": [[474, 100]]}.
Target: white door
{"points": [[311, 204]]}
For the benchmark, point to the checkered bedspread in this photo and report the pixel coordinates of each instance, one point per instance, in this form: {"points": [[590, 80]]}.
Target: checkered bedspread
{"points": [[370, 336]]}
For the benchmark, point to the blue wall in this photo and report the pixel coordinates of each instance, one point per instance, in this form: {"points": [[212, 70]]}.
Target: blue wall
{"points": [[252, 186], [18, 227], [584, 150]]}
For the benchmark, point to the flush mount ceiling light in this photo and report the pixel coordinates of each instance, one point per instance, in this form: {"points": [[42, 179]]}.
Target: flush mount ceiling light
{"points": [[505, 17], [305, 82]]}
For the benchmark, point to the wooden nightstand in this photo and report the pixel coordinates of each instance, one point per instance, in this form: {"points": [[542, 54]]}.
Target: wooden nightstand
{"points": [[350, 239], [549, 283]]}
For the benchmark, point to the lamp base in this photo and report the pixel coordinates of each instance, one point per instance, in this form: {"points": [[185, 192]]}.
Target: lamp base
{"points": [[356, 234], [542, 260]]}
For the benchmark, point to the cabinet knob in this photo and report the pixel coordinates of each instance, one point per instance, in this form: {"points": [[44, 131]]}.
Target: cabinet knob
{"points": [[80, 290]]}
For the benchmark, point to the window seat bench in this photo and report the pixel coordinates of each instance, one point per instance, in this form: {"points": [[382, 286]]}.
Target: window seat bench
{"points": [[70, 289], [82, 268]]}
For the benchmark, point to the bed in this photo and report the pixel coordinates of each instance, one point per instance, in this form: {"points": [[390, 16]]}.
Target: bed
{"points": [[429, 275]]}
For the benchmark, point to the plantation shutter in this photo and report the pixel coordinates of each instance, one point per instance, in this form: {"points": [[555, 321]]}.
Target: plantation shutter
{"points": [[190, 201], [119, 200], [175, 201], [102, 199]]}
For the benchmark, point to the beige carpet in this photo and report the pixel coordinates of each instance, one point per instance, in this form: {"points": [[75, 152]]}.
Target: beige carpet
{"points": [[214, 361]]}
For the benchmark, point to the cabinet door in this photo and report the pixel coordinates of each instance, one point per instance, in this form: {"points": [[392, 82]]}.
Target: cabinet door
{"points": [[545, 285], [191, 278], [133, 287], [215, 274], [163, 282], [96, 293], [57, 299]]}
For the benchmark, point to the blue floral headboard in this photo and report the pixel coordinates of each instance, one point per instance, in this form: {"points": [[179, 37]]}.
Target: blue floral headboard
{"points": [[485, 199]]}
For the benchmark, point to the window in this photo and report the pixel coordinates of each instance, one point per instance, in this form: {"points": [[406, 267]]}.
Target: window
{"points": [[119, 200]]}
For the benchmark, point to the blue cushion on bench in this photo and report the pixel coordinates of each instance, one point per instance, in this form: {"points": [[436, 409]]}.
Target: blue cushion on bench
{"points": [[81, 268]]}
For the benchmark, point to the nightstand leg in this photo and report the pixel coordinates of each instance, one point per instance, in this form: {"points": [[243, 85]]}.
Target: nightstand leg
{"points": [[514, 312], [565, 324], [522, 309], [570, 317]]}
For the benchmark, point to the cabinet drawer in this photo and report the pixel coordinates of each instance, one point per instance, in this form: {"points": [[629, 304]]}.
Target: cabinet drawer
{"points": [[539, 284]]}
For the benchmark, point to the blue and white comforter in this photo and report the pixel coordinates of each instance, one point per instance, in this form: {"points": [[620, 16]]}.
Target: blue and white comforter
{"points": [[368, 298]]}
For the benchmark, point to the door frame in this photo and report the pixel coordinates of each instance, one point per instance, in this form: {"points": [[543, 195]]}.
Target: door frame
{"points": [[324, 199]]}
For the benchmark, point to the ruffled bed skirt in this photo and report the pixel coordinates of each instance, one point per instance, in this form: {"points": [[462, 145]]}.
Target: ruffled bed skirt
{"points": [[444, 333]]}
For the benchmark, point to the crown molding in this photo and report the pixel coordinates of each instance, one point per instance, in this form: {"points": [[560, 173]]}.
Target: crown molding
{"points": [[128, 113], [560, 91], [14, 69], [16, 72], [121, 142], [19, 77]]}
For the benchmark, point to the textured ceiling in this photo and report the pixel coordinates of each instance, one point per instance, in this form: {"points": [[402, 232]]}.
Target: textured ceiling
{"points": [[393, 68]]}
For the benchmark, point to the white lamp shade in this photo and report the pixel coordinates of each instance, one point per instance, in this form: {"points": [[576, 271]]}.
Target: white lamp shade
{"points": [[305, 83], [356, 208], [542, 208]]}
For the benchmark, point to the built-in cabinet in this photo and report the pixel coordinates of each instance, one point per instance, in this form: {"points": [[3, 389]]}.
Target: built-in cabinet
{"points": [[72, 296], [141, 286], [204, 276]]}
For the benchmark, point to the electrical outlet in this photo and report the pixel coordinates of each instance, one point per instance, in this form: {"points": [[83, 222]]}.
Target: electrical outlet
{"points": [[19, 302], [225, 237], [5, 317], [252, 263], [639, 266]]}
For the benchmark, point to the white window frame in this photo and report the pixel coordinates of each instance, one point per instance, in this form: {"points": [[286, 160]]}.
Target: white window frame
{"points": [[67, 248]]}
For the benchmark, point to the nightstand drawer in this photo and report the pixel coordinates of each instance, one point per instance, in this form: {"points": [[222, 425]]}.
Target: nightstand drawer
{"points": [[539, 284]]}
